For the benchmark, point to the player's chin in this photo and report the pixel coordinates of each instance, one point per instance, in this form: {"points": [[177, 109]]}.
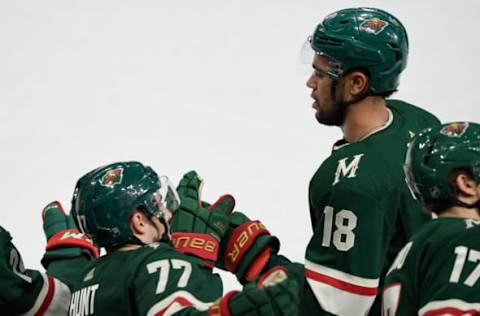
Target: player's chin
{"points": [[326, 118]]}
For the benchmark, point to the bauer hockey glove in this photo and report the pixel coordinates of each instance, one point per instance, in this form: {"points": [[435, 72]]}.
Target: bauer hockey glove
{"points": [[196, 229], [246, 247], [274, 294], [64, 240]]}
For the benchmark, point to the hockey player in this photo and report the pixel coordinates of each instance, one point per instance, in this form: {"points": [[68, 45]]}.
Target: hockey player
{"points": [[126, 208], [30, 292], [361, 210], [437, 272], [182, 278]]}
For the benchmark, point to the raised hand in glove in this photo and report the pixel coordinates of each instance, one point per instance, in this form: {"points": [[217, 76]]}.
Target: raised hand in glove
{"points": [[274, 294], [246, 247], [64, 240], [197, 228]]}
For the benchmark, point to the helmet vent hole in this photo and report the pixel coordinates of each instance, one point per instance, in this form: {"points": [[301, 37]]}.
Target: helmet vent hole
{"points": [[397, 56], [344, 22], [431, 148]]}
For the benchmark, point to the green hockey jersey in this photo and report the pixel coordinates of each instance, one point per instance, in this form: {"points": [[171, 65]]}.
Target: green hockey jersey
{"points": [[24, 291], [362, 214], [437, 272], [152, 280]]}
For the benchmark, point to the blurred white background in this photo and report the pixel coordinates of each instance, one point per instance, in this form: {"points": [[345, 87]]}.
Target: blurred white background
{"points": [[210, 85]]}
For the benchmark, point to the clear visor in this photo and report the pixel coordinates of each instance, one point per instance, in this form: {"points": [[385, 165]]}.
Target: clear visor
{"points": [[305, 58], [167, 196]]}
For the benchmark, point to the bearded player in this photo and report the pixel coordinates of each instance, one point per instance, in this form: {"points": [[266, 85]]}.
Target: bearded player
{"points": [[437, 272], [361, 209]]}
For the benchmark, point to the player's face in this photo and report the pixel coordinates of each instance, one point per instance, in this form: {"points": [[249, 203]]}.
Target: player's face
{"points": [[156, 228], [328, 111]]}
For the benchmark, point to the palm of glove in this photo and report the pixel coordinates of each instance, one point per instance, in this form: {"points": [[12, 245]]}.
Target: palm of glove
{"points": [[193, 216], [196, 227]]}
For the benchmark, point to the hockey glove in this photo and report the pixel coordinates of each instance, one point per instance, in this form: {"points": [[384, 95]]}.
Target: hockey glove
{"points": [[246, 247], [64, 240], [197, 229], [274, 294]]}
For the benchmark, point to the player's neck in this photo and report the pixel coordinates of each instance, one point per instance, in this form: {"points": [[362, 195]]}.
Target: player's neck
{"points": [[365, 117], [128, 247], [463, 212]]}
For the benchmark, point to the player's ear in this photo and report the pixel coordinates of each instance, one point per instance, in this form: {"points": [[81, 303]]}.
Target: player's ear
{"points": [[357, 83], [466, 186], [137, 222]]}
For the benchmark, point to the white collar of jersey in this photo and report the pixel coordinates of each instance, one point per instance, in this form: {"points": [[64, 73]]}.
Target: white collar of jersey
{"points": [[380, 128], [370, 133]]}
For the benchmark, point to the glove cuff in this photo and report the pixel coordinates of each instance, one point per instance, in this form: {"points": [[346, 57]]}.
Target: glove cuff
{"points": [[220, 307], [71, 238], [240, 242], [203, 246], [257, 266]]}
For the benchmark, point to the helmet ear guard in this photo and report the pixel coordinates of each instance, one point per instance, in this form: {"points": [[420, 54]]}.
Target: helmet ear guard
{"points": [[104, 199]]}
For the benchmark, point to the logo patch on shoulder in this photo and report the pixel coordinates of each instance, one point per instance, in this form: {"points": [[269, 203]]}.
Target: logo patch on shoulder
{"points": [[112, 177], [373, 26], [455, 129]]}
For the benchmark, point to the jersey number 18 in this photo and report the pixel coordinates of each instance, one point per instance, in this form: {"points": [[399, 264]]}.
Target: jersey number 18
{"points": [[345, 223]]}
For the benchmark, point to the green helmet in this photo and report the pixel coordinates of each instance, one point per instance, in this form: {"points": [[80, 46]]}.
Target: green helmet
{"points": [[435, 153], [105, 197], [366, 38]]}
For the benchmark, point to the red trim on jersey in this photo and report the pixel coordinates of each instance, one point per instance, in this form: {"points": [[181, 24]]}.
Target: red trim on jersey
{"points": [[48, 297], [342, 285], [180, 300], [453, 311]]}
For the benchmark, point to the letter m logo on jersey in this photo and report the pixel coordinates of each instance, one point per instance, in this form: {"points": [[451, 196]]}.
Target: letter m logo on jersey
{"points": [[347, 168]]}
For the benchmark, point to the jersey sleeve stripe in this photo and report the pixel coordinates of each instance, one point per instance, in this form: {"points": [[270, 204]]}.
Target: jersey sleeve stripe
{"points": [[450, 307], [341, 285], [343, 279], [53, 299], [331, 286], [48, 298], [175, 302], [60, 301], [40, 297]]}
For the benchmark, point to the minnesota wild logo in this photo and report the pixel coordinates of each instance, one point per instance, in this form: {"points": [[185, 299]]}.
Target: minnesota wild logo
{"points": [[454, 129], [112, 177], [373, 26]]}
